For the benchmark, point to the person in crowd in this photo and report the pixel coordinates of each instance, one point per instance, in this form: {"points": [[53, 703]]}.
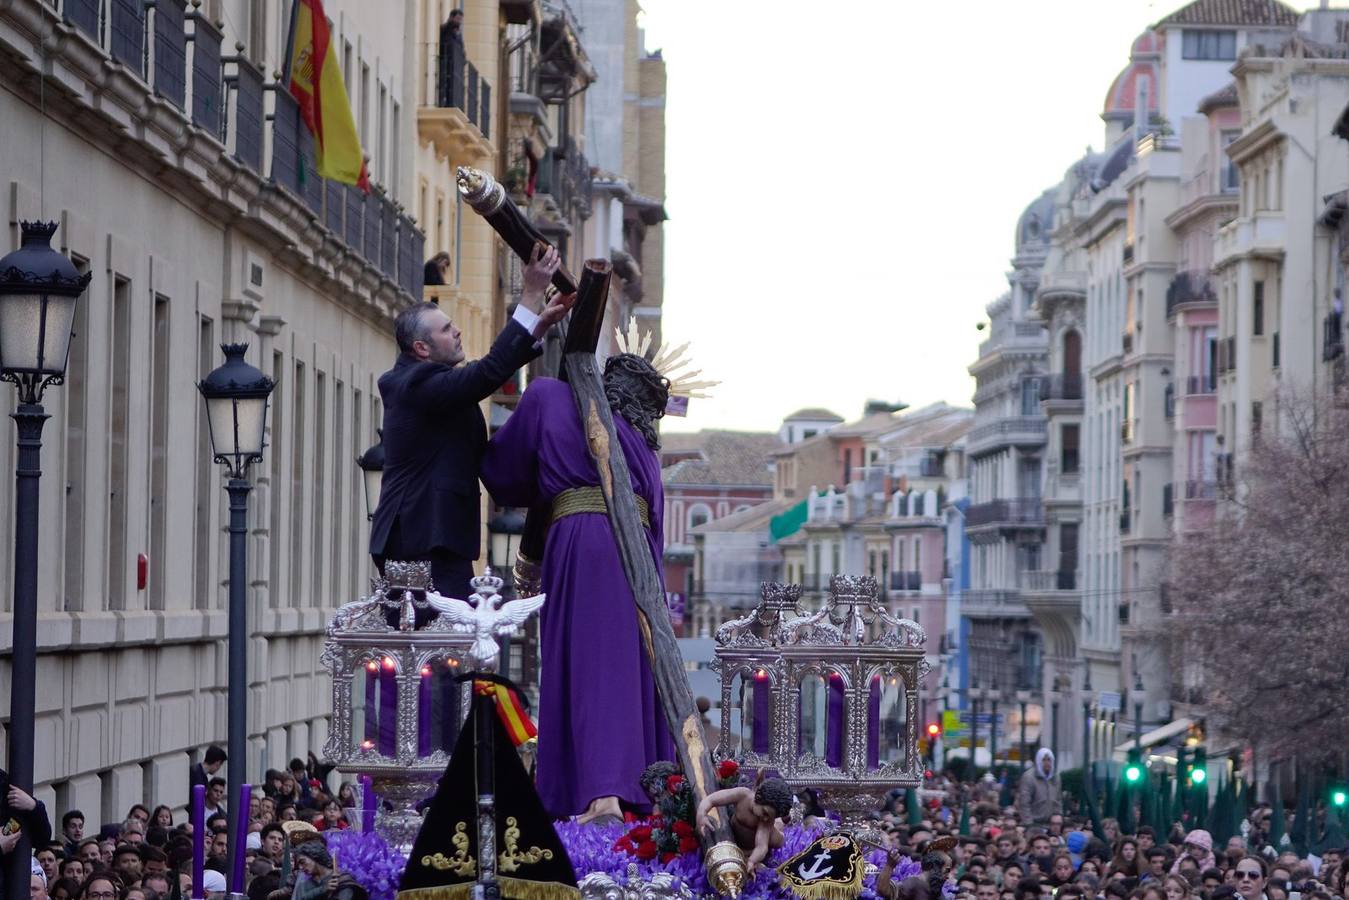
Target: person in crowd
{"points": [[201, 773], [101, 886], [126, 864], [215, 796], [64, 889]]}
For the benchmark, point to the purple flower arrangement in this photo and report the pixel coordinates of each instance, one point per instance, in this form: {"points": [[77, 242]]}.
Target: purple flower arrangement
{"points": [[377, 867], [591, 848], [364, 855]]}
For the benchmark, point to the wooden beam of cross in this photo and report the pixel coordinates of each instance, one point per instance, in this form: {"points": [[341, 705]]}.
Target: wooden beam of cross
{"points": [[722, 857]]}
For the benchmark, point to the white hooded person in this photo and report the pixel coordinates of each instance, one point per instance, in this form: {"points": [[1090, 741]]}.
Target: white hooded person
{"points": [[1038, 795]]}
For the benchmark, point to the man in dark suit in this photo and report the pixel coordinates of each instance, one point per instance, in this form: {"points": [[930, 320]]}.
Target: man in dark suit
{"points": [[434, 432]]}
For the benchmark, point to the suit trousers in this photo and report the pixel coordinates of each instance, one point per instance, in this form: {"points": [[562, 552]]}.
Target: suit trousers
{"points": [[450, 574]]}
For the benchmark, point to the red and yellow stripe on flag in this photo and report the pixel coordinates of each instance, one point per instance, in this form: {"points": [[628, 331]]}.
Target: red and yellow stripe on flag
{"points": [[510, 711], [316, 84]]}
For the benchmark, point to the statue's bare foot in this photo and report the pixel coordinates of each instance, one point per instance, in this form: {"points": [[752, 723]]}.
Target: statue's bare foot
{"points": [[602, 811]]}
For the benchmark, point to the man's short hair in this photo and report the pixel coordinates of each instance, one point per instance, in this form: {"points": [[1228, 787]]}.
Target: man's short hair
{"points": [[87, 841], [456, 13], [153, 854], [68, 817], [215, 754], [269, 828], [1148, 830], [124, 849], [408, 329], [217, 782], [1156, 851]]}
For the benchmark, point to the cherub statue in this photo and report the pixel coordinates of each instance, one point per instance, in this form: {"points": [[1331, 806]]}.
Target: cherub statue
{"points": [[757, 818]]}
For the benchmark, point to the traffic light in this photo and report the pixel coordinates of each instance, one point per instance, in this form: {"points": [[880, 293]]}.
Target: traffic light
{"points": [[1133, 769], [1339, 797], [1198, 773], [933, 730], [933, 733]]}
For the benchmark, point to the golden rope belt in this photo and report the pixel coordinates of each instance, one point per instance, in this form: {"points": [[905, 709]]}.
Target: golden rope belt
{"points": [[575, 501]]}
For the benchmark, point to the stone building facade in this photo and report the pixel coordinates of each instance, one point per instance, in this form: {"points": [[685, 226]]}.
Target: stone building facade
{"points": [[191, 199]]}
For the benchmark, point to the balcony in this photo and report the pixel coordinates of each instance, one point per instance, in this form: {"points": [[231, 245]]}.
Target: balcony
{"points": [[1015, 334], [1014, 513], [1332, 342], [1009, 430], [1201, 490], [1189, 288], [1049, 579], [906, 581], [993, 603], [454, 109], [1200, 384], [1061, 387]]}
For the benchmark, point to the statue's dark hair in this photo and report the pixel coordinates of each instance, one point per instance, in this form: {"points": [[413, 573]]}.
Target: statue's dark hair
{"points": [[637, 392], [653, 778], [775, 793]]}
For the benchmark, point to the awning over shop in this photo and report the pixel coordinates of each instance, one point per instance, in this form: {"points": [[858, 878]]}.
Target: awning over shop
{"points": [[1156, 736]]}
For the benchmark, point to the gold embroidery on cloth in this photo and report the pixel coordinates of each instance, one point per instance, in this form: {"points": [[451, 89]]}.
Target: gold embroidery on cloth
{"points": [[513, 858], [461, 863]]}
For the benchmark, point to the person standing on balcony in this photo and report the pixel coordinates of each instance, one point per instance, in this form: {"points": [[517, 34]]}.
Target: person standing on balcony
{"points": [[451, 50], [437, 270], [434, 432]]}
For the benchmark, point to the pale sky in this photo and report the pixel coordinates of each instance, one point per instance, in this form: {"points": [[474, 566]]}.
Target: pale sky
{"points": [[844, 180]]}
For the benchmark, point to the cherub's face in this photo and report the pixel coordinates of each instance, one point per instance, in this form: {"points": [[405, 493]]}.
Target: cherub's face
{"points": [[765, 814]]}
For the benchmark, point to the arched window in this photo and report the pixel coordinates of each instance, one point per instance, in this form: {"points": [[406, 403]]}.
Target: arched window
{"points": [[699, 514]]}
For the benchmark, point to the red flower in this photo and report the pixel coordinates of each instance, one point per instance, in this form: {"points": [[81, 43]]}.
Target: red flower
{"points": [[728, 768], [646, 850], [674, 784], [625, 844], [640, 833], [667, 856], [688, 844], [682, 828]]}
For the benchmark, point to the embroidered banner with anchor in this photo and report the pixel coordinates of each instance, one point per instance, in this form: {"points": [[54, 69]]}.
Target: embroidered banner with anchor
{"points": [[532, 864], [831, 868]]}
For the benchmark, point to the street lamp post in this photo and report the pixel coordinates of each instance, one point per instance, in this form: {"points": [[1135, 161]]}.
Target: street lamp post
{"points": [[1023, 698], [236, 397], [371, 463], [38, 292], [1086, 727], [975, 694], [505, 532], [1138, 712], [1054, 724], [994, 696]]}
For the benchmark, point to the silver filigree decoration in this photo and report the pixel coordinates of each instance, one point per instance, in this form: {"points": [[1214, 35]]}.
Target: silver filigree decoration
{"points": [[659, 886]]}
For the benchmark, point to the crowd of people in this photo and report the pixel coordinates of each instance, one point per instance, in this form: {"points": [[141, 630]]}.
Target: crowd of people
{"points": [[148, 855], [1042, 846], [972, 844]]}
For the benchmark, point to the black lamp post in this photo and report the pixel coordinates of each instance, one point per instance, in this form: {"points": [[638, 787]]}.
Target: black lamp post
{"points": [[38, 292], [1138, 711], [372, 473], [505, 531], [975, 694], [1086, 726], [1054, 723], [236, 397], [1023, 698], [994, 696]]}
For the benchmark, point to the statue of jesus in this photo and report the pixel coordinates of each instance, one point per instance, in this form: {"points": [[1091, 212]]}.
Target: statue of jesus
{"points": [[600, 718]]}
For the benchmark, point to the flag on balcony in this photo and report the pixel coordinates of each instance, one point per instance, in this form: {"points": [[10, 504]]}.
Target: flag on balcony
{"points": [[315, 81]]}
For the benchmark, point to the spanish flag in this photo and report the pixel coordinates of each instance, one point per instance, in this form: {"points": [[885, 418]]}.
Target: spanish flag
{"points": [[510, 711], [315, 82]]}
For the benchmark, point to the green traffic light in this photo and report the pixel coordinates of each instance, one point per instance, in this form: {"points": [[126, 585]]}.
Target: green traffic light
{"points": [[1339, 797], [1198, 776], [1133, 773]]}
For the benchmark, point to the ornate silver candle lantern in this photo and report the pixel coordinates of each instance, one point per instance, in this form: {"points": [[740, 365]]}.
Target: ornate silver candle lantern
{"points": [[827, 699], [397, 710]]}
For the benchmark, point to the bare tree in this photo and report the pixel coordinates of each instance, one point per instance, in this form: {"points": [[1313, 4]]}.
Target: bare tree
{"points": [[1261, 601]]}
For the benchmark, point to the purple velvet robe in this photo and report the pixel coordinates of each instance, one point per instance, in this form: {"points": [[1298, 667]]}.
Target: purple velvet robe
{"points": [[600, 719]]}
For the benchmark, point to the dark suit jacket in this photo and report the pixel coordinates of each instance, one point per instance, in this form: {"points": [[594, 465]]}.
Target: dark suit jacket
{"points": [[434, 438]]}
